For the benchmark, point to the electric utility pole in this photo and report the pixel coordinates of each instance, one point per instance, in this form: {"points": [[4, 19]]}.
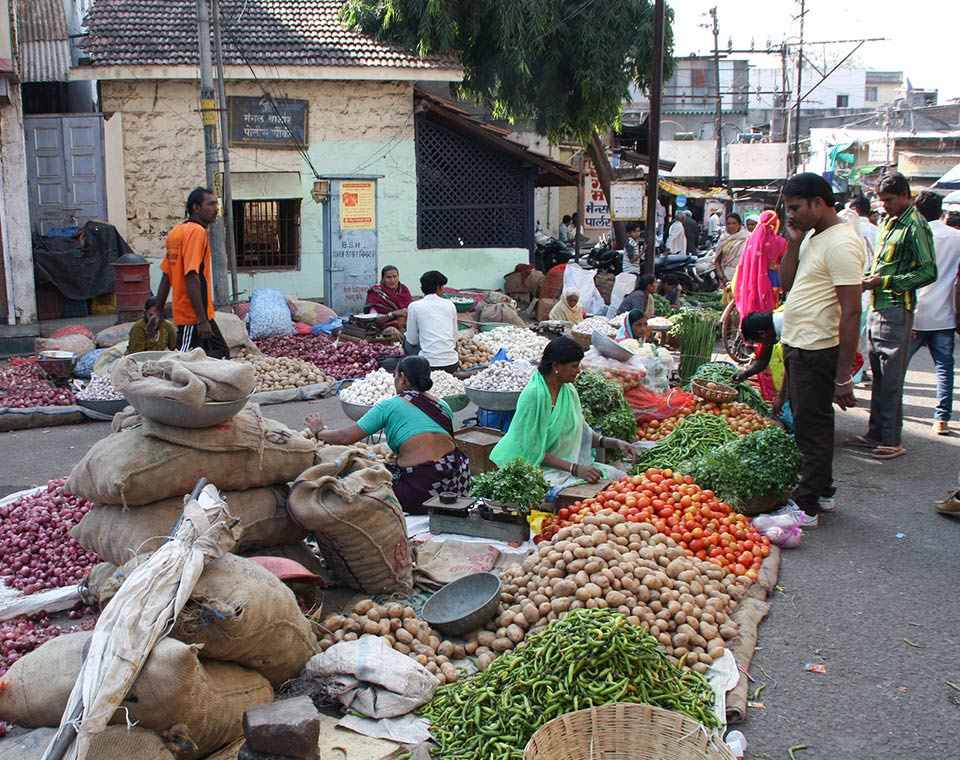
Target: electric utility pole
{"points": [[208, 110], [796, 133], [718, 116], [653, 145]]}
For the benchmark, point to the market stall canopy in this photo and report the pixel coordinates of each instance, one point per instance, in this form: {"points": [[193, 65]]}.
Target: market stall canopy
{"points": [[952, 201], [675, 188], [551, 173], [949, 181]]}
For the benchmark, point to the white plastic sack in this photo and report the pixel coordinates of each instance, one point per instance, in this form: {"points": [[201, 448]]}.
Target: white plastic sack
{"points": [[582, 279], [269, 314], [370, 677], [623, 285]]}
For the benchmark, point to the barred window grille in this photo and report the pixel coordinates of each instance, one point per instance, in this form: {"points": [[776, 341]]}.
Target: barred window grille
{"points": [[267, 234], [468, 195]]}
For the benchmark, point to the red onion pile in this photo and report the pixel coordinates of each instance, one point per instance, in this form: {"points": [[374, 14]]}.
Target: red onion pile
{"points": [[36, 548], [63, 332], [23, 385], [21, 635], [346, 359]]}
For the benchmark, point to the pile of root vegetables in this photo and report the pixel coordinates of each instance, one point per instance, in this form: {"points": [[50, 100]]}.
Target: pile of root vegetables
{"points": [[740, 418], [280, 373], [24, 385], [604, 561], [473, 354], [36, 549], [340, 360]]}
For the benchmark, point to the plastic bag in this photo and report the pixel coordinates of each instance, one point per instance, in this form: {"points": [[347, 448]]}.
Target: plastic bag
{"points": [[648, 405], [623, 285], [627, 375], [781, 527], [581, 279], [86, 363], [269, 314]]}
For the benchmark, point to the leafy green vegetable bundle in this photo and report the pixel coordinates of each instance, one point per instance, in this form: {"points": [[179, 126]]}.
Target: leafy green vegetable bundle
{"points": [[517, 482], [605, 407]]}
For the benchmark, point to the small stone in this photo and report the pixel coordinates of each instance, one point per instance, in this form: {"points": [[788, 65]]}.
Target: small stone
{"points": [[249, 754], [288, 727]]}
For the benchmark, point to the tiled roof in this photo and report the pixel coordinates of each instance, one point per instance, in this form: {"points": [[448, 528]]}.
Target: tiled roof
{"points": [[261, 32], [44, 42]]}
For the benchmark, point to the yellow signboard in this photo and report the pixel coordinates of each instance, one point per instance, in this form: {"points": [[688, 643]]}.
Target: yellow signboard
{"points": [[358, 205]]}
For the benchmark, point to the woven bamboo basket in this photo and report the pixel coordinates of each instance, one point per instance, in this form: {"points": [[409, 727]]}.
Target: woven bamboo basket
{"points": [[722, 394], [624, 731], [585, 341]]}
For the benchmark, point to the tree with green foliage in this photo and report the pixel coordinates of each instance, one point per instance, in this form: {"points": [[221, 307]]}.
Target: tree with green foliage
{"points": [[563, 66]]}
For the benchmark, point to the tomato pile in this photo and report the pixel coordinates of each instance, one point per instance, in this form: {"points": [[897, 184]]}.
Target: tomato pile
{"points": [[674, 505], [741, 418]]}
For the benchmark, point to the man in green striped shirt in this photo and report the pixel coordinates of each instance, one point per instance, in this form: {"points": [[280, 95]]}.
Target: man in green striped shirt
{"points": [[904, 261]]}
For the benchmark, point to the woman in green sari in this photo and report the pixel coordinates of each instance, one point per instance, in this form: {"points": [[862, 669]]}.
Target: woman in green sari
{"points": [[548, 429]]}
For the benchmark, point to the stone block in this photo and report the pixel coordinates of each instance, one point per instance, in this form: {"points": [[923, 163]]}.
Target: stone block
{"points": [[288, 727]]}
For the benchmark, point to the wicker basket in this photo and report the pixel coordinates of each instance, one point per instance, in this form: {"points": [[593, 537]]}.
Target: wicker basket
{"points": [[585, 341], [622, 731], [722, 394]]}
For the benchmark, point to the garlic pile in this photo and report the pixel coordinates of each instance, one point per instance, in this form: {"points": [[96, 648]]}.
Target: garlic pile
{"points": [[502, 376], [519, 342], [371, 389], [445, 384], [100, 388], [600, 324]]}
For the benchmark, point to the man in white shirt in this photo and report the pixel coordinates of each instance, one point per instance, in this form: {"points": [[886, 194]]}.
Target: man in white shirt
{"points": [[432, 325], [713, 223], [868, 231], [938, 304]]}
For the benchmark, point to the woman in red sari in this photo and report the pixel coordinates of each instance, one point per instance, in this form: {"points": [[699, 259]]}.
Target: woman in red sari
{"points": [[753, 288], [390, 299]]}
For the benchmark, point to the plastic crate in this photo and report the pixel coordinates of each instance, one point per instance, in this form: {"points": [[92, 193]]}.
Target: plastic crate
{"points": [[104, 304], [72, 308]]}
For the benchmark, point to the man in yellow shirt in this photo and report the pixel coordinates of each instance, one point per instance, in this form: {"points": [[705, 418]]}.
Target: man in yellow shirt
{"points": [[186, 271], [821, 270]]}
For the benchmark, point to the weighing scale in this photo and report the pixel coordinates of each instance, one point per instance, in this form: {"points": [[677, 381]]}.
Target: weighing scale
{"points": [[553, 328], [360, 327], [481, 518]]}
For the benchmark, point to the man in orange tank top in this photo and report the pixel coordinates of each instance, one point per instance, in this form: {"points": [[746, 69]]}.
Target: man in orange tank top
{"points": [[186, 272]]}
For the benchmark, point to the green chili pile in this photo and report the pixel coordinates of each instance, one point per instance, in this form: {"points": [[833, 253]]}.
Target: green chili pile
{"points": [[589, 658], [692, 438]]}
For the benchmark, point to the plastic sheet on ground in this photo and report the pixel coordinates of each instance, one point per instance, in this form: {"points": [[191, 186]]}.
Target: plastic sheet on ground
{"points": [[408, 729], [303, 393]]}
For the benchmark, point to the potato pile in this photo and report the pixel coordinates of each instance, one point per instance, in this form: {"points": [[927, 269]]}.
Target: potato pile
{"points": [[283, 373], [473, 354], [402, 630], [607, 562]]}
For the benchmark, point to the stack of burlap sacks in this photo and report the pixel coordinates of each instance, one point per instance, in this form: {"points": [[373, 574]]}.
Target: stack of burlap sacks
{"points": [[242, 634]]}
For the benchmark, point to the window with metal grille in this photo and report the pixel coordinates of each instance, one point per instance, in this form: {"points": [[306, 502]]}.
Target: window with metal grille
{"points": [[871, 94], [267, 234], [843, 101], [469, 195]]}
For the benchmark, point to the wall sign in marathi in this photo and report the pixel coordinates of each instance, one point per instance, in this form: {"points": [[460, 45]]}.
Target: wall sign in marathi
{"points": [[265, 123]]}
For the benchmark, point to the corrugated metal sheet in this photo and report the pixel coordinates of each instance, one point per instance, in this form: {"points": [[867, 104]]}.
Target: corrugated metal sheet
{"points": [[44, 41]]}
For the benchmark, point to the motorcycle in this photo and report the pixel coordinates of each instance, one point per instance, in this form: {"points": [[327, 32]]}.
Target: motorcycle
{"points": [[549, 252], [603, 257], [704, 268]]}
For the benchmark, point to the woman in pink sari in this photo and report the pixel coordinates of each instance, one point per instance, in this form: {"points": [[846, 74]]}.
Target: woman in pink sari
{"points": [[753, 287]]}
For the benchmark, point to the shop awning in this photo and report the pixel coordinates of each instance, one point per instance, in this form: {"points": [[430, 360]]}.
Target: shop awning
{"points": [[675, 188]]}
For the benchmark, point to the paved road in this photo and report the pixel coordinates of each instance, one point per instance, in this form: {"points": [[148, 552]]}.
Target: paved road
{"points": [[853, 592]]}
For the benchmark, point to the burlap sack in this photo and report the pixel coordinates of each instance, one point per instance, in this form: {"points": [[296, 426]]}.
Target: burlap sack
{"points": [[111, 336], [116, 534], [150, 462], [189, 377], [500, 308], [239, 612], [347, 501], [116, 743], [190, 701], [235, 335], [77, 344]]}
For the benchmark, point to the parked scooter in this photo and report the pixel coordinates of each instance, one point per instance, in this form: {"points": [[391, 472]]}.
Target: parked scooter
{"points": [[549, 252]]}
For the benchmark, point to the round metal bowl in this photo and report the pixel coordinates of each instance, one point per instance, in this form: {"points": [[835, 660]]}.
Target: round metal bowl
{"points": [[458, 402], [150, 356], [104, 407], [58, 365], [464, 604], [176, 414], [494, 401], [354, 411], [610, 348]]}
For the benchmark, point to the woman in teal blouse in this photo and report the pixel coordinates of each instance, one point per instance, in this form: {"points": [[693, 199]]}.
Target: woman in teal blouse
{"points": [[419, 428]]}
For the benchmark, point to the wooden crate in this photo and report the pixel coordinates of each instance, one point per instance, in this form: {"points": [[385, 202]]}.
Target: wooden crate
{"points": [[578, 493], [477, 443]]}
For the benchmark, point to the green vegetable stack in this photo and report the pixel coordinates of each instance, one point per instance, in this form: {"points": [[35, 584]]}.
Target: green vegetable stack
{"points": [[722, 372], [762, 465], [663, 307], [691, 439], [517, 482], [697, 333], [708, 301], [589, 658], [604, 407]]}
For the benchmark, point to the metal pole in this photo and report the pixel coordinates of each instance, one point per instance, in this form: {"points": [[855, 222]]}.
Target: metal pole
{"points": [[208, 110], [653, 145], [796, 126], [229, 237], [718, 116]]}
